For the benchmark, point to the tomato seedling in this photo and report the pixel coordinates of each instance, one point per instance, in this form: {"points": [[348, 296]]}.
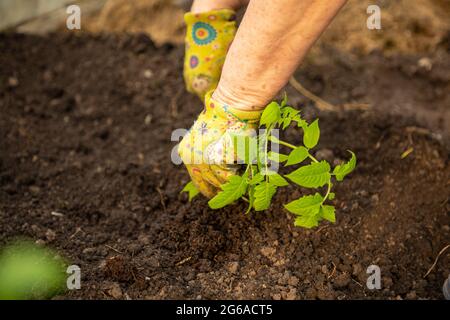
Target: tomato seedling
{"points": [[258, 183]]}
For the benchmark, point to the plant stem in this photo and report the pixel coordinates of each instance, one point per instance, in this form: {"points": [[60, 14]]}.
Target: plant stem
{"points": [[286, 144], [312, 158], [294, 147], [246, 169], [328, 192]]}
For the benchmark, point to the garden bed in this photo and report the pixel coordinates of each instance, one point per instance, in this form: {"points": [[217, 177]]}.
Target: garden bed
{"points": [[85, 168]]}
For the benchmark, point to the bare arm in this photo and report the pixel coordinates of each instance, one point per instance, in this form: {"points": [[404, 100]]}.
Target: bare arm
{"points": [[272, 40], [208, 5]]}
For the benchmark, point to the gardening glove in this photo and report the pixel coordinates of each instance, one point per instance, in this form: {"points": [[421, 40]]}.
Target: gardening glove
{"points": [[208, 37], [207, 149]]}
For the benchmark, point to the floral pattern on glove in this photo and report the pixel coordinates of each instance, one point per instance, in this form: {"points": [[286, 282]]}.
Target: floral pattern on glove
{"points": [[207, 149], [208, 37]]}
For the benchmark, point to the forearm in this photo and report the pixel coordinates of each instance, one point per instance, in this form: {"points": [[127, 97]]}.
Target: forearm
{"points": [[208, 5], [272, 40]]}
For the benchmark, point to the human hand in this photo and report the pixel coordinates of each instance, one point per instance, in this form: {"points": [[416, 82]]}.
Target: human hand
{"points": [[207, 150]]}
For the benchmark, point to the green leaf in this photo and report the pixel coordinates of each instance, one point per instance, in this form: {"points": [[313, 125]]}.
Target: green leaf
{"points": [[300, 122], [307, 221], [289, 112], [285, 122], [257, 178], [191, 189], [297, 155], [277, 157], [306, 205], [314, 175], [327, 212], [311, 134], [307, 209], [276, 179], [263, 195], [231, 191], [270, 115], [340, 171], [331, 195], [287, 115]]}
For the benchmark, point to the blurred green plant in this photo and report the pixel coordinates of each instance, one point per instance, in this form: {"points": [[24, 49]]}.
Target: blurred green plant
{"points": [[29, 271]]}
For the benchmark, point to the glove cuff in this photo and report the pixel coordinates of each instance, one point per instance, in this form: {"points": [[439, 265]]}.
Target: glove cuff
{"points": [[228, 112]]}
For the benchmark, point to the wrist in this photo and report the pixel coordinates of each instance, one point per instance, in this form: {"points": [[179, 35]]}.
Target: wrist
{"points": [[244, 100], [200, 6], [225, 110]]}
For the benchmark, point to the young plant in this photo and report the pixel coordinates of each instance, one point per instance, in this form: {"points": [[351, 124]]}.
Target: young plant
{"points": [[259, 182]]}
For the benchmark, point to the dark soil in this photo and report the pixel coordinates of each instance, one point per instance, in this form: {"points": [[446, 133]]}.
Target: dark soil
{"points": [[85, 125]]}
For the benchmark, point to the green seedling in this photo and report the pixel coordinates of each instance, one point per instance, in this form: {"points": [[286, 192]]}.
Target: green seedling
{"points": [[258, 183]]}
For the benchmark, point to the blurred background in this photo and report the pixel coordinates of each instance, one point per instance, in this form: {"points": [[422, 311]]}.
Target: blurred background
{"points": [[408, 27]]}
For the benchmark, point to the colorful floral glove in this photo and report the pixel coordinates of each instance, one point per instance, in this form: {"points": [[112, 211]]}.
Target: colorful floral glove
{"points": [[207, 149], [208, 37]]}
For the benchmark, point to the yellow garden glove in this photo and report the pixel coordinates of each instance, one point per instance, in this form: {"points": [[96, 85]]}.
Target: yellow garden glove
{"points": [[207, 149], [208, 37]]}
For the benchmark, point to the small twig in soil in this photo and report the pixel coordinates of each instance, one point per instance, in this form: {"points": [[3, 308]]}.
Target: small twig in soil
{"points": [[321, 104], [321, 228], [406, 152], [230, 287], [423, 132], [114, 249], [161, 197], [57, 214], [418, 130], [359, 284], [356, 224], [183, 261], [436, 260], [75, 233], [174, 105], [378, 144], [134, 276], [333, 271]]}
